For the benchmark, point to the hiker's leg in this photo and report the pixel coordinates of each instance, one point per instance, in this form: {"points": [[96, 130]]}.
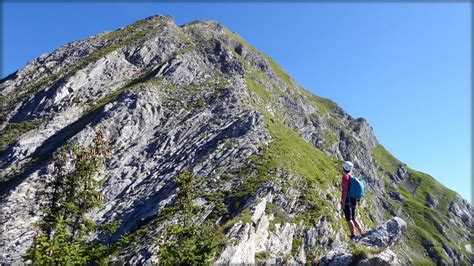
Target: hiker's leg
{"points": [[348, 216], [354, 221], [358, 226], [351, 227]]}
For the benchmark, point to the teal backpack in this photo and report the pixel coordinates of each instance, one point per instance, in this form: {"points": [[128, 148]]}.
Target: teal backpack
{"points": [[356, 188]]}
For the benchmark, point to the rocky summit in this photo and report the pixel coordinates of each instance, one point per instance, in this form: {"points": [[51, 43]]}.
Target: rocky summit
{"points": [[267, 154]]}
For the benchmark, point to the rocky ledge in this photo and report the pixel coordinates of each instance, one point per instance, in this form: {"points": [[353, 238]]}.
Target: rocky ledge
{"points": [[371, 248]]}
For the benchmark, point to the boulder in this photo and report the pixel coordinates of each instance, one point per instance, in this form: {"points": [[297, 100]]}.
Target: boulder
{"points": [[371, 248]]}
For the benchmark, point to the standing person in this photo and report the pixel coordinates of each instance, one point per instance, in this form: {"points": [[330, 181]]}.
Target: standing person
{"points": [[349, 204]]}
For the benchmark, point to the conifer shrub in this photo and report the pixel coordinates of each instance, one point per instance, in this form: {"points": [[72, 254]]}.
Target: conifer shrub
{"points": [[186, 242], [64, 233]]}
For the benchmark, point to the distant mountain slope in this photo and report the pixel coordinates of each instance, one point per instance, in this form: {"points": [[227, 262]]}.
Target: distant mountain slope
{"points": [[199, 97]]}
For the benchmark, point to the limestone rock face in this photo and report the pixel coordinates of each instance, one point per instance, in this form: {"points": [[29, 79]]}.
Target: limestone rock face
{"points": [[198, 97], [376, 240], [384, 235]]}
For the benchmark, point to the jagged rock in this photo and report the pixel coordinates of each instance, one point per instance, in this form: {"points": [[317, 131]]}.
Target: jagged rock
{"points": [[396, 196], [386, 257], [384, 235], [401, 174], [250, 239], [338, 256], [432, 202], [464, 212], [378, 240], [450, 253]]}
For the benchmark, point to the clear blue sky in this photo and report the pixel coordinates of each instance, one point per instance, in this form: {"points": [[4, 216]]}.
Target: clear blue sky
{"points": [[404, 67]]}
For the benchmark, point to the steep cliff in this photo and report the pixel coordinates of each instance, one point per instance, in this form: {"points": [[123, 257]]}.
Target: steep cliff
{"points": [[198, 97]]}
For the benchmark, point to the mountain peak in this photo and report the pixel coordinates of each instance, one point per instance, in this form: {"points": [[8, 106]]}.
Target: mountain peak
{"points": [[199, 99]]}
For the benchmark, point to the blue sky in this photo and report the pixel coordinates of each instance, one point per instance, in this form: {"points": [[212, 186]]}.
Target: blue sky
{"points": [[405, 67]]}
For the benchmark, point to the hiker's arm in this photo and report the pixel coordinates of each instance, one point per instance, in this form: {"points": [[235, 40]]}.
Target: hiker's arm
{"points": [[345, 187]]}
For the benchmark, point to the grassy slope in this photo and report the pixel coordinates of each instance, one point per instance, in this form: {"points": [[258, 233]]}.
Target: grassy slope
{"points": [[291, 152], [426, 220], [288, 151]]}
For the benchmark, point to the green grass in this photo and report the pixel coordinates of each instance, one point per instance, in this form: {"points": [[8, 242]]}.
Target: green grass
{"points": [[360, 252], [262, 255], [385, 160], [295, 245], [239, 39], [107, 99], [156, 81], [323, 105], [253, 176], [13, 131], [427, 184], [425, 223], [244, 216], [363, 214], [315, 169], [422, 261], [255, 86], [291, 152], [330, 139], [425, 219], [279, 71]]}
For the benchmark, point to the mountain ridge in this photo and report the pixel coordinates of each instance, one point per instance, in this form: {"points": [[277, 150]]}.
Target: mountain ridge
{"points": [[198, 96]]}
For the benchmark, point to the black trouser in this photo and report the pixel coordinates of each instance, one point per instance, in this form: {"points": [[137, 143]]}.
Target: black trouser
{"points": [[350, 208]]}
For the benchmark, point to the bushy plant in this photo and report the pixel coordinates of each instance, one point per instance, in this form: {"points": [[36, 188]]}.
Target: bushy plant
{"points": [[68, 196], [187, 242]]}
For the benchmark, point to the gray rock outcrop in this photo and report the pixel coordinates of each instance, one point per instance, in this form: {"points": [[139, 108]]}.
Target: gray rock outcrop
{"points": [[371, 248]]}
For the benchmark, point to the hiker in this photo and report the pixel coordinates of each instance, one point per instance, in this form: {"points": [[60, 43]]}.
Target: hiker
{"points": [[348, 203]]}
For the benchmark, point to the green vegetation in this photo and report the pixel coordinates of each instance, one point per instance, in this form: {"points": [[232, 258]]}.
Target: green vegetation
{"points": [[424, 232], [253, 176], [64, 230], [255, 86], [245, 216], [385, 160], [108, 98], [422, 261], [262, 255], [13, 131], [290, 151], [426, 184], [185, 242], [324, 105], [293, 154], [364, 216], [360, 252], [279, 71], [330, 139], [239, 39], [295, 245]]}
